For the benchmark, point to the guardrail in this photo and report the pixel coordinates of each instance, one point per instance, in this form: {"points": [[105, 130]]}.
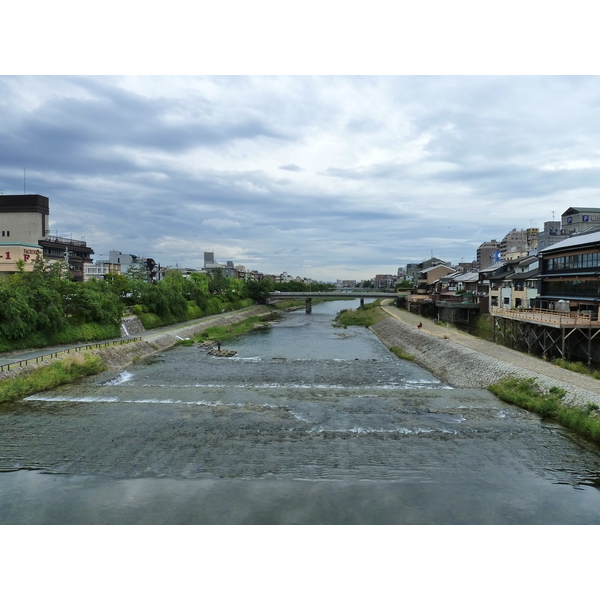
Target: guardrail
{"points": [[25, 361]]}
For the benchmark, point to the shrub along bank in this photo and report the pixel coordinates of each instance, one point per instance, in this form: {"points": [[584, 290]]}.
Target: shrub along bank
{"points": [[527, 394]]}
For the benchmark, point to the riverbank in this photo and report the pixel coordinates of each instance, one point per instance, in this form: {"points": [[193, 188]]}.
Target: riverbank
{"points": [[121, 355], [464, 361]]}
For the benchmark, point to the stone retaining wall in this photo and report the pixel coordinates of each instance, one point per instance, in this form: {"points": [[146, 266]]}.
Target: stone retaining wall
{"points": [[133, 326], [462, 367]]}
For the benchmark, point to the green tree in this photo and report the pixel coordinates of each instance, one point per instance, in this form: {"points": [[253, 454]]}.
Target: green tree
{"points": [[259, 290], [93, 302], [166, 298], [17, 318], [217, 283], [137, 276]]}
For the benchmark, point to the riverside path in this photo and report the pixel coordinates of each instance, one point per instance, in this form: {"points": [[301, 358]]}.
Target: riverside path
{"points": [[536, 367]]}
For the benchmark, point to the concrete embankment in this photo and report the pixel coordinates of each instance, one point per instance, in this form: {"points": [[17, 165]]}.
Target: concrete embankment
{"points": [[464, 367]]}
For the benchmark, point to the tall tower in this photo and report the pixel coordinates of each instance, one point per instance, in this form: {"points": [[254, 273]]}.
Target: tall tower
{"points": [[209, 259]]}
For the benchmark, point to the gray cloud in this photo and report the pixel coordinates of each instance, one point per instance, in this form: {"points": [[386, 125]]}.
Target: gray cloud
{"points": [[393, 168]]}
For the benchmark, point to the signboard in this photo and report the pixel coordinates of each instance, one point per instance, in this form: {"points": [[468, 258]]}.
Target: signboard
{"points": [[11, 253]]}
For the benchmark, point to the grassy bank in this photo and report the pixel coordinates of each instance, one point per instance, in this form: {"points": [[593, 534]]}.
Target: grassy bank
{"points": [[527, 394], [362, 317], [576, 367], [57, 373], [226, 332]]}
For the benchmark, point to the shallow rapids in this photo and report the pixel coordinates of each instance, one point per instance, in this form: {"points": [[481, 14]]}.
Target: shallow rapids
{"points": [[306, 424]]}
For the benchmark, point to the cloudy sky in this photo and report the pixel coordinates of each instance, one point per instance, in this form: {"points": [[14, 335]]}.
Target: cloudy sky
{"points": [[328, 177]]}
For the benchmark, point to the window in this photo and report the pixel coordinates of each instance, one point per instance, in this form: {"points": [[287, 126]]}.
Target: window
{"points": [[575, 261]]}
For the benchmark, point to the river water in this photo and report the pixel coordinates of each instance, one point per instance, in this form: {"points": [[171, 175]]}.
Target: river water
{"points": [[307, 424]]}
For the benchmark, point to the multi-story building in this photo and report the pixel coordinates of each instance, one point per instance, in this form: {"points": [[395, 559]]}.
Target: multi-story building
{"points": [[120, 263], [521, 287], [491, 282], [488, 254], [516, 244], [428, 279], [76, 252], [346, 283], [24, 219], [551, 234], [412, 269], [228, 269], [385, 281], [95, 271], [570, 274], [580, 220]]}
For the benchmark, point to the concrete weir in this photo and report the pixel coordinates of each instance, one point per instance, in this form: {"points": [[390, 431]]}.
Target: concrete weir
{"points": [[462, 367]]}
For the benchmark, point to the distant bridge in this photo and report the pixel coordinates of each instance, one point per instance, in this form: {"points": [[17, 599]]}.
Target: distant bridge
{"points": [[345, 294]]}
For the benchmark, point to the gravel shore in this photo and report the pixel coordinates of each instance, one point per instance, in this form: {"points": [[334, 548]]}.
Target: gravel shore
{"points": [[464, 361]]}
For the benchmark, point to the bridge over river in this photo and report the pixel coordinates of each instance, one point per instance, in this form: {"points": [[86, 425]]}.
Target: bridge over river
{"points": [[345, 294]]}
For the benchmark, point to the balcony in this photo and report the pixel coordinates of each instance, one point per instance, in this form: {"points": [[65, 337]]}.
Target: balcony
{"points": [[553, 318]]}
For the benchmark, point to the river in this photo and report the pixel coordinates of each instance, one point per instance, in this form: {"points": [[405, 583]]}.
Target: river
{"points": [[307, 424]]}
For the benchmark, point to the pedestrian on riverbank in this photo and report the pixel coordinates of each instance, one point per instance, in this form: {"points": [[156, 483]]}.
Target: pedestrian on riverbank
{"points": [[420, 325], [219, 345]]}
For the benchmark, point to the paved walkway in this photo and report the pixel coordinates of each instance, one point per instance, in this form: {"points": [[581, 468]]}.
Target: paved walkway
{"points": [[496, 351]]}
